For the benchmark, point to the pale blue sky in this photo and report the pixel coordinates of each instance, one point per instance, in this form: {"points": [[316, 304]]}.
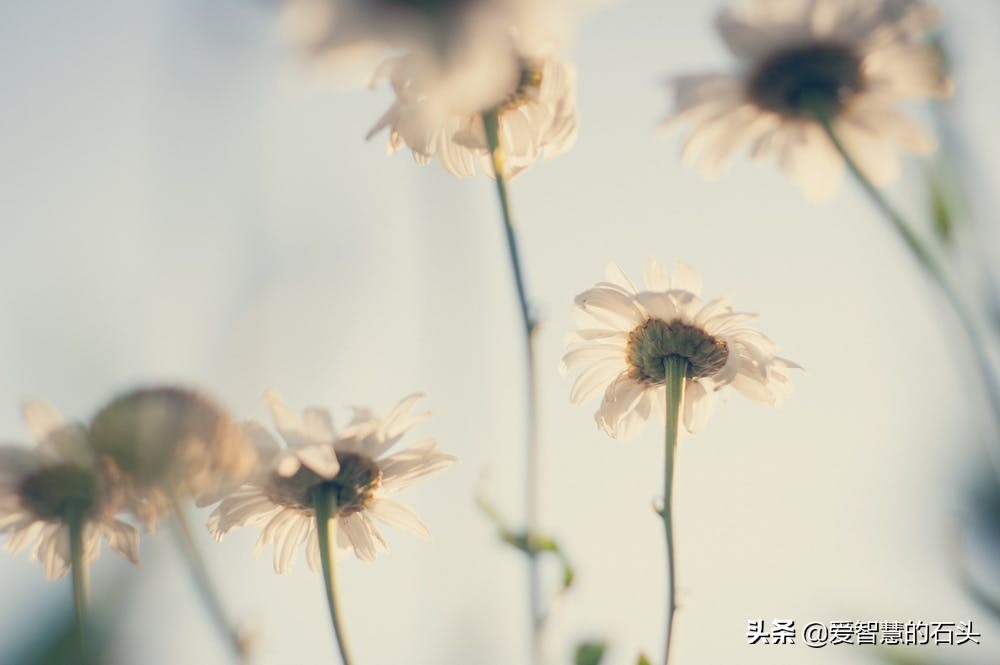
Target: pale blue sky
{"points": [[182, 202]]}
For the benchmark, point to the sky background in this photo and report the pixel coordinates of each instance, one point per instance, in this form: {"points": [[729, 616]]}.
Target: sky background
{"points": [[183, 201]]}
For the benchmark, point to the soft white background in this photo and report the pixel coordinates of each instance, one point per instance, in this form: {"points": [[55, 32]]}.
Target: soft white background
{"points": [[182, 201]]}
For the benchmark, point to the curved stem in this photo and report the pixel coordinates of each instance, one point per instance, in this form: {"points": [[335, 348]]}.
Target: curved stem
{"points": [[930, 265], [80, 573], [675, 372], [491, 123], [326, 526], [203, 581]]}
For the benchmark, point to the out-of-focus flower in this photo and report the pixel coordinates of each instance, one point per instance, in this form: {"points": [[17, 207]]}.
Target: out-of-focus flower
{"points": [[167, 443], [626, 335], [280, 499], [439, 107], [851, 61], [59, 481], [340, 29]]}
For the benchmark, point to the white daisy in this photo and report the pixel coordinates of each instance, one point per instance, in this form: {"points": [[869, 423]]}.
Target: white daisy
{"points": [[851, 60], [626, 335], [169, 443], [43, 489], [280, 500], [438, 109], [339, 30]]}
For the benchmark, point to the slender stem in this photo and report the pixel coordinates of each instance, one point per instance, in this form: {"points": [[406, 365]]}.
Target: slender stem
{"points": [[80, 573], [203, 581], [491, 123], [675, 372], [326, 526], [930, 265]]}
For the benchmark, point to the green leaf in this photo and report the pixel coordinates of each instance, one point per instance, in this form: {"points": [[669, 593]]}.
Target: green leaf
{"points": [[589, 653], [942, 204], [532, 544], [643, 660]]}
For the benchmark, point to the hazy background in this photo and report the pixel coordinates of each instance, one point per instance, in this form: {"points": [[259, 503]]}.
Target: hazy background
{"points": [[182, 200]]}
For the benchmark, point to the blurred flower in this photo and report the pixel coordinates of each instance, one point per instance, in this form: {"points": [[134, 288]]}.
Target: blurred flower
{"points": [[341, 29], [439, 107], [849, 60], [169, 443], [280, 499], [626, 334], [43, 489]]}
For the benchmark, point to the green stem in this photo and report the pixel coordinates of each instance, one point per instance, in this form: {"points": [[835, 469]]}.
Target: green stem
{"points": [[675, 372], [491, 122], [80, 573], [203, 581], [930, 265], [326, 526]]}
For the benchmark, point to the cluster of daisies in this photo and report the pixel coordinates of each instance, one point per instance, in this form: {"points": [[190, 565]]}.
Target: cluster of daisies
{"points": [[800, 63], [809, 71], [147, 451], [449, 62]]}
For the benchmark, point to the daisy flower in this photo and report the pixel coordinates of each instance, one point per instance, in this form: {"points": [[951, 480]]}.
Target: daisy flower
{"points": [[58, 482], [439, 109], [280, 499], [167, 443], [341, 30], [626, 335], [850, 61]]}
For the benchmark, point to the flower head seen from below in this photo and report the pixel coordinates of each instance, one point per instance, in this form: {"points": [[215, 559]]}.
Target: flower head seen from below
{"points": [[626, 336], [353, 462], [849, 62], [169, 443], [58, 482], [439, 107], [339, 31]]}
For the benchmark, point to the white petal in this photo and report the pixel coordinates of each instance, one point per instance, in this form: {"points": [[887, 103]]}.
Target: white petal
{"points": [[320, 458], [686, 278], [42, 418], [398, 515], [698, 405]]}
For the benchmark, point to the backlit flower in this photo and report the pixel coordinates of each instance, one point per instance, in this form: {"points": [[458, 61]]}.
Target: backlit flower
{"points": [[852, 61], [169, 443], [336, 30], [626, 335], [280, 499], [43, 489], [439, 107]]}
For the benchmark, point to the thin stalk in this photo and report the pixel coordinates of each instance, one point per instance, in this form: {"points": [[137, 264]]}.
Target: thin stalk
{"points": [[80, 573], [203, 581], [326, 526], [675, 372], [930, 265], [491, 122]]}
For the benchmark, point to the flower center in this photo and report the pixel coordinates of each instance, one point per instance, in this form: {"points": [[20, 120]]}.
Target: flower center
{"points": [[430, 7], [355, 485], [796, 81], [651, 343], [61, 492], [529, 84]]}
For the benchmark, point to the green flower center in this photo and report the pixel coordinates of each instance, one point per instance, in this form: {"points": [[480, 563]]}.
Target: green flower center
{"points": [[655, 340], [60, 492], [354, 485], [799, 81]]}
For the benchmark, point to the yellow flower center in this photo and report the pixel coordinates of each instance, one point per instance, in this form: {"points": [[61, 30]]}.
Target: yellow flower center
{"points": [[651, 343], [529, 84]]}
